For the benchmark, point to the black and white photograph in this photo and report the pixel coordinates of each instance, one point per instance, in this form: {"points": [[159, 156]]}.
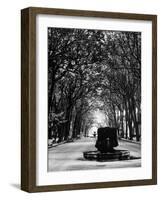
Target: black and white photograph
{"points": [[94, 99]]}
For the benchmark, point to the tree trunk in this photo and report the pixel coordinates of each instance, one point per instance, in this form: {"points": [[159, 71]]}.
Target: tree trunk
{"points": [[135, 120]]}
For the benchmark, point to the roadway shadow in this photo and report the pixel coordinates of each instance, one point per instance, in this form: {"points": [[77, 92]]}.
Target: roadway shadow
{"points": [[110, 160]]}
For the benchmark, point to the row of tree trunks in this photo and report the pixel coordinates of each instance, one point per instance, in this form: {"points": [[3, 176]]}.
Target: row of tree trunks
{"points": [[129, 120]]}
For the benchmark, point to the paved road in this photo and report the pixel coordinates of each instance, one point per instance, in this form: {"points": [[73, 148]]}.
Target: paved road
{"points": [[69, 156]]}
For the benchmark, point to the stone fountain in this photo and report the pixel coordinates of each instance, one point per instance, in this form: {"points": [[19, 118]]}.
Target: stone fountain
{"points": [[107, 139]]}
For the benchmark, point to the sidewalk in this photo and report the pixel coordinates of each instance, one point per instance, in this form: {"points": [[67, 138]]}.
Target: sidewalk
{"points": [[131, 141], [57, 144]]}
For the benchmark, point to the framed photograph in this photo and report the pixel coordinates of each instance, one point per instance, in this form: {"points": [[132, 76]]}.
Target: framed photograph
{"points": [[88, 99]]}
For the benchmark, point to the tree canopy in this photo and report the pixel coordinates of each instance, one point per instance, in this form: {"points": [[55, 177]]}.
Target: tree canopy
{"points": [[90, 70]]}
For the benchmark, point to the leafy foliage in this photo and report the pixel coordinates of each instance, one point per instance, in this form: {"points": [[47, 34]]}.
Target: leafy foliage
{"points": [[89, 70]]}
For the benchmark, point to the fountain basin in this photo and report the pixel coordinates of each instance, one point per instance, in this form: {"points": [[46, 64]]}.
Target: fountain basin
{"points": [[108, 156]]}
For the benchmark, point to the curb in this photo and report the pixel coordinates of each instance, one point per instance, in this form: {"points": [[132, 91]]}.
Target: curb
{"points": [[57, 144], [131, 141]]}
